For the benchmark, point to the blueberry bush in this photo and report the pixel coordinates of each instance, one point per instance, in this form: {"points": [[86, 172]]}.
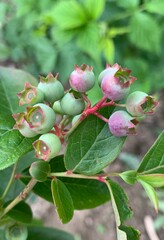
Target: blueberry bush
{"points": [[58, 142]]}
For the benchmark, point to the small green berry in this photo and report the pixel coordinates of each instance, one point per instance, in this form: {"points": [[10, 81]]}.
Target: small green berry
{"points": [[72, 106], [16, 232], [47, 146], [57, 107], [40, 170], [30, 95], [140, 103], [51, 87], [41, 118]]}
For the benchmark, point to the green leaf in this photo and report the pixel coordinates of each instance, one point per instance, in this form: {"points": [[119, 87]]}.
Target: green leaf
{"points": [[150, 193], [88, 40], [11, 82], [108, 48], [43, 233], [69, 14], [131, 233], [62, 200], [155, 6], [153, 161], [6, 123], [45, 53], [94, 11], [21, 213], [122, 211], [155, 180], [4, 50], [3, 10], [142, 36], [85, 193], [129, 176], [95, 149], [128, 4], [119, 201], [12, 144]]}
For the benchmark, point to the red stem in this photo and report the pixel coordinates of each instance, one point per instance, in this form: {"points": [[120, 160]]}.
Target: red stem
{"points": [[101, 117]]}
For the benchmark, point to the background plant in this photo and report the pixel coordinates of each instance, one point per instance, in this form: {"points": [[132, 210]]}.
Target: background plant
{"points": [[48, 35]]}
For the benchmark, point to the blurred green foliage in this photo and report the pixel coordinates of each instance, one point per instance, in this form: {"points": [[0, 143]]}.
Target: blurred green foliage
{"points": [[53, 35]]}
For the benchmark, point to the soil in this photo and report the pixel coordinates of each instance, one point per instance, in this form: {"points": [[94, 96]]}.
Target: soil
{"points": [[98, 223]]}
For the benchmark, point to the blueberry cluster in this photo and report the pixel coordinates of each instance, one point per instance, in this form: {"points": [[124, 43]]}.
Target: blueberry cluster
{"points": [[115, 83], [49, 98]]}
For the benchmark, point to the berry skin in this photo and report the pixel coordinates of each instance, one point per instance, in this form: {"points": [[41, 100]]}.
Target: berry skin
{"points": [[115, 85], [71, 105], [57, 107], [23, 126], [16, 232], [30, 95], [122, 124], [40, 117], [40, 170], [47, 146], [51, 87], [140, 103], [108, 70], [82, 79]]}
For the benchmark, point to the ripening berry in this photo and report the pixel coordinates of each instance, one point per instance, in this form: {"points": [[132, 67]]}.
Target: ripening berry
{"points": [[140, 103], [122, 124], [72, 106], [23, 126], [40, 170], [51, 87], [108, 70], [47, 146], [40, 117], [16, 231], [82, 79], [115, 85], [30, 95]]}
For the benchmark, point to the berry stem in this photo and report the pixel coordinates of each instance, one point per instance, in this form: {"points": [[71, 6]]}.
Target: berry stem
{"points": [[20, 197], [69, 174], [86, 100], [11, 180], [100, 116], [119, 105]]}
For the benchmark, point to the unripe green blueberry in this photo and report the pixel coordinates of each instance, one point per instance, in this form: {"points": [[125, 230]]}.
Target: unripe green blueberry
{"points": [[115, 85], [57, 107], [71, 105], [40, 170], [16, 232], [30, 95], [23, 126], [51, 87], [140, 103], [122, 124], [82, 79], [47, 146], [41, 118]]}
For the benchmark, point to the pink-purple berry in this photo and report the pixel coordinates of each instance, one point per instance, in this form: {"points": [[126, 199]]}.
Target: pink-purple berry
{"points": [[122, 124], [115, 82], [82, 79]]}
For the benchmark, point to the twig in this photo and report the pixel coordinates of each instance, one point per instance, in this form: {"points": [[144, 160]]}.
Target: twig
{"points": [[148, 221]]}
